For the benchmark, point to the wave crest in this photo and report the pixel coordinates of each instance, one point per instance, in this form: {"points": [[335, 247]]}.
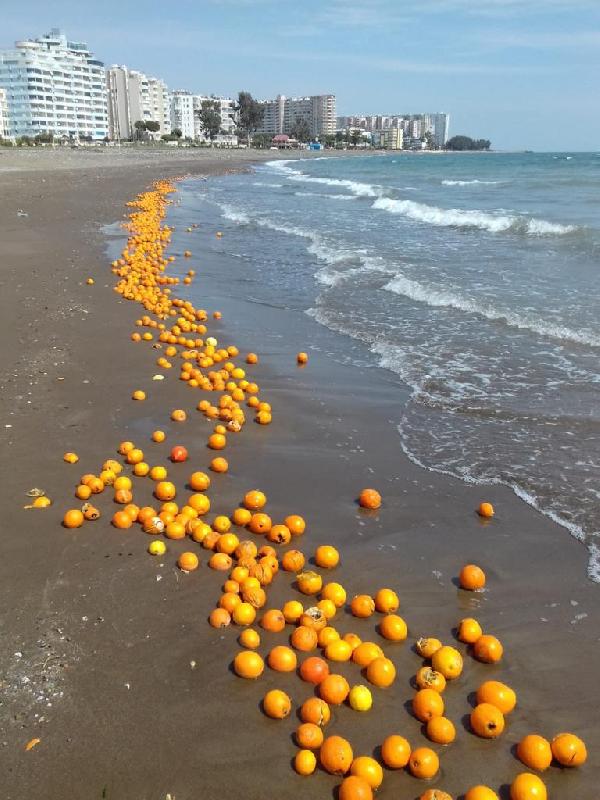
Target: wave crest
{"points": [[459, 218]]}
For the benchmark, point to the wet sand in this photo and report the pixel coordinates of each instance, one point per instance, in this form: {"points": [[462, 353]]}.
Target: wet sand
{"points": [[99, 638]]}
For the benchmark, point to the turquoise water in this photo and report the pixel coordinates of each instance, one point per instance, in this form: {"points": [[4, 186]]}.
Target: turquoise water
{"points": [[475, 278]]}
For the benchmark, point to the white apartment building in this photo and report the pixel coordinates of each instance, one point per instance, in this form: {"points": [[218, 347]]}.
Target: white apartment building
{"points": [[284, 113], [228, 114], [182, 113], [54, 86], [135, 97], [4, 123]]}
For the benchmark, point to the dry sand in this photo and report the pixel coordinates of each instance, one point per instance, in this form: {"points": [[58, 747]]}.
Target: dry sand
{"points": [[106, 654]]}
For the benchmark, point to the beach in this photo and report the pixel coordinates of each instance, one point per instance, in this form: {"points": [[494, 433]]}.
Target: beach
{"points": [[108, 658]]}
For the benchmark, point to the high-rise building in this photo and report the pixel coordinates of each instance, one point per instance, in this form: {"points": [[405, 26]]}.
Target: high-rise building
{"points": [[390, 139], [54, 86], [285, 114], [182, 113], [135, 97], [441, 128], [4, 123], [227, 110]]}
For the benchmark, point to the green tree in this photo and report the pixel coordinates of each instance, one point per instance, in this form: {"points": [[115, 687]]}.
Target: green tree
{"points": [[429, 140], [209, 115], [152, 126], [300, 130], [355, 136], [250, 114], [262, 140], [176, 132], [466, 143], [140, 129], [44, 138]]}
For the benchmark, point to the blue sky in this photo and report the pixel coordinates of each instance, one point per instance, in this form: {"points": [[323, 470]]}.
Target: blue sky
{"points": [[523, 73]]}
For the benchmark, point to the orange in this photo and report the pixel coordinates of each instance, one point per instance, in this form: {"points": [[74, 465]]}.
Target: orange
{"points": [[386, 601], [527, 787], [199, 481], [334, 689], [336, 755], [485, 510], [369, 498], [569, 750], [369, 770], [366, 652], [334, 592], [381, 671], [362, 605], [316, 711], [472, 577], [248, 664], [296, 524], [73, 518], [487, 721], [395, 752], [354, 788], [488, 649], [448, 661], [498, 694], [426, 704], [423, 763], [305, 762], [276, 704], [309, 736], [441, 730], [394, 628], [282, 659], [535, 752], [469, 630], [327, 556], [481, 793], [255, 500]]}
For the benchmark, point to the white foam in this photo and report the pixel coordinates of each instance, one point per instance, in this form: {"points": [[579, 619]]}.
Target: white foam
{"points": [[356, 187], [437, 298], [268, 185], [234, 214], [326, 196], [468, 183], [459, 218]]}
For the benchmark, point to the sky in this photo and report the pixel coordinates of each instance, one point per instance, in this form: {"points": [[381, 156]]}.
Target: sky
{"points": [[523, 73]]}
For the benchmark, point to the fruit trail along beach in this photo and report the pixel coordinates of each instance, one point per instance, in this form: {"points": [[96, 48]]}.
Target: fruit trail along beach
{"points": [[326, 523]]}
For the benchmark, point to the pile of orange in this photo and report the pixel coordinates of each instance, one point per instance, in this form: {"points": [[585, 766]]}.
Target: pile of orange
{"points": [[253, 550]]}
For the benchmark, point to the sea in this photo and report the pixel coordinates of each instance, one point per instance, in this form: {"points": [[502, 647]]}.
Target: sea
{"points": [[475, 278]]}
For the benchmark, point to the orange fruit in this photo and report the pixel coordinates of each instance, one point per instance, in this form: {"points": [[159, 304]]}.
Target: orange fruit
{"points": [[309, 736], [488, 649], [369, 770], [441, 730], [305, 762], [487, 721], [336, 755], [498, 694], [276, 704], [395, 752], [535, 752], [426, 704], [423, 763], [393, 627], [369, 498], [248, 664], [527, 787], [569, 750], [472, 578]]}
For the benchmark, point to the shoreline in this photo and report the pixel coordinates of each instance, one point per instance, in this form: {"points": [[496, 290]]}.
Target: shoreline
{"points": [[144, 633]]}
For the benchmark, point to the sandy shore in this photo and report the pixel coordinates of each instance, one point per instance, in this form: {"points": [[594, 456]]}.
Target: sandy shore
{"points": [[107, 656]]}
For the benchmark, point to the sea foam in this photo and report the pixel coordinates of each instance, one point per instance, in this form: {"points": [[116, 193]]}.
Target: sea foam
{"points": [[459, 218], [437, 298]]}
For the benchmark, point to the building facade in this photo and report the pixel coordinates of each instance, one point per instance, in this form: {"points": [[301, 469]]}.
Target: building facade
{"points": [[389, 138], [54, 86], [135, 97], [414, 126], [182, 113], [228, 115], [4, 122], [284, 114]]}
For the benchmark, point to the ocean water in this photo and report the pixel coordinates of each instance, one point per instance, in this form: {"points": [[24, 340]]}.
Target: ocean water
{"points": [[475, 278]]}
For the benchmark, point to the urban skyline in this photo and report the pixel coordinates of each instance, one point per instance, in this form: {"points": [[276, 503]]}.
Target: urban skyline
{"points": [[510, 71], [56, 87]]}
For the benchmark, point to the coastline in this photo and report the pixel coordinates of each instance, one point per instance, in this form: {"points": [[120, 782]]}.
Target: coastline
{"points": [[132, 652]]}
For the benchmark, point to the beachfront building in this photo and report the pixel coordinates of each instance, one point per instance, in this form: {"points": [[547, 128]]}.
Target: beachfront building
{"points": [[389, 139], [4, 123], [433, 127], [136, 97], [315, 113], [182, 113], [228, 117], [54, 86]]}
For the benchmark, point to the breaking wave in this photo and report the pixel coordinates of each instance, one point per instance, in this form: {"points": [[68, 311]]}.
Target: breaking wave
{"points": [[444, 299], [458, 218]]}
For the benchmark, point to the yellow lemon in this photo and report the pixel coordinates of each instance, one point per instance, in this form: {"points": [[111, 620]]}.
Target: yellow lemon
{"points": [[360, 698], [157, 548]]}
